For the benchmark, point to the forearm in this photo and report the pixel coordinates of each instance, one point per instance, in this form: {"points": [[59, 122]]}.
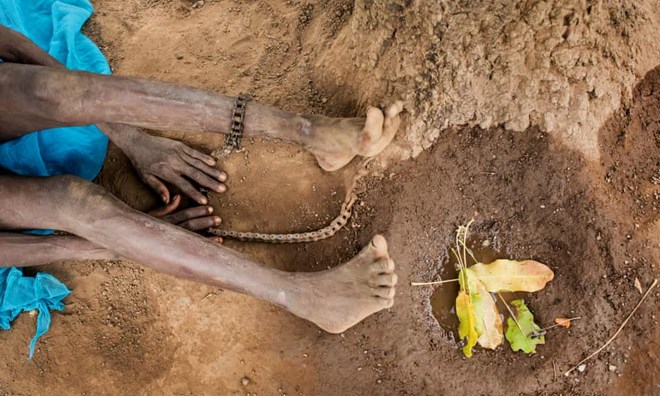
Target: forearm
{"points": [[22, 250]]}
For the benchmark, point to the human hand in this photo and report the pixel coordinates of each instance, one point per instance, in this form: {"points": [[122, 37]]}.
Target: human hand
{"points": [[197, 218], [158, 159]]}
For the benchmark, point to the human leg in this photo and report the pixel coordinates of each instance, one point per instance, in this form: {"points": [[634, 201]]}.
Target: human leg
{"points": [[41, 97], [334, 299]]}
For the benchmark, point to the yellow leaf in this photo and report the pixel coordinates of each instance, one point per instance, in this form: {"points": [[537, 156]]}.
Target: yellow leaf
{"points": [[563, 322], [491, 323], [467, 321], [513, 276]]}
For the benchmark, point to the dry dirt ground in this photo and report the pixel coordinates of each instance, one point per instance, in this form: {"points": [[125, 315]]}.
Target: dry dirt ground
{"points": [[129, 330]]}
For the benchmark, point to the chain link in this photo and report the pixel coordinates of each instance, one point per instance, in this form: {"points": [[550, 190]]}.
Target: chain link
{"points": [[311, 236], [235, 135]]}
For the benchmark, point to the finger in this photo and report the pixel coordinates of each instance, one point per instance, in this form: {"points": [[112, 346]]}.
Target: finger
{"points": [[204, 180], [167, 209], [217, 239], [187, 214], [209, 170], [187, 188], [207, 159], [157, 185], [201, 223]]}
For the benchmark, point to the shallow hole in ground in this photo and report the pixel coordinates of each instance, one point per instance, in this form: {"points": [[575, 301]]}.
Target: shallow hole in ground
{"points": [[444, 297]]}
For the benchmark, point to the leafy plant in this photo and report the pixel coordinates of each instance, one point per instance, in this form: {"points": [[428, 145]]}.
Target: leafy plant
{"points": [[521, 331], [479, 318]]}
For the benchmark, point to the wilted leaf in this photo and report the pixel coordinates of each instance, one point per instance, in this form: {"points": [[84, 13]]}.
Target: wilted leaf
{"points": [[563, 322], [513, 276], [488, 322], [468, 284], [491, 323], [467, 321], [522, 341]]}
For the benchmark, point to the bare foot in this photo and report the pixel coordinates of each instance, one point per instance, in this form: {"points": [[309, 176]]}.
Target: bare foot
{"points": [[339, 140], [341, 297]]}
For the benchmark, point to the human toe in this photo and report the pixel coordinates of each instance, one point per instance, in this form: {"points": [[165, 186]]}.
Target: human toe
{"points": [[388, 280]]}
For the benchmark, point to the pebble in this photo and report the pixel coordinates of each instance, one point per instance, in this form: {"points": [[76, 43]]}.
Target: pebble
{"points": [[612, 367], [198, 4], [178, 56], [245, 381], [582, 367]]}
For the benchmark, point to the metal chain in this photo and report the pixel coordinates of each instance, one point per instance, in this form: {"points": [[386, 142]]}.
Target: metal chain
{"points": [[312, 236], [233, 139]]}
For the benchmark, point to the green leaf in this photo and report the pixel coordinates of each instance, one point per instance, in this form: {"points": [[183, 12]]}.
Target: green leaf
{"points": [[513, 276], [522, 341], [467, 322]]}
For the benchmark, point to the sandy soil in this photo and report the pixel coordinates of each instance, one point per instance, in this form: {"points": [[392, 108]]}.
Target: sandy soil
{"points": [[129, 330]]}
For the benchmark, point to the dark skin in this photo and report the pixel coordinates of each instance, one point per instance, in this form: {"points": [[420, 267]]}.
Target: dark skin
{"points": [[37, 93]]}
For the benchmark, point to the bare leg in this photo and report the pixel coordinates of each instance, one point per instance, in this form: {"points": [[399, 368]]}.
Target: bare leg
{"points": [[335, 299], [39, 97]]}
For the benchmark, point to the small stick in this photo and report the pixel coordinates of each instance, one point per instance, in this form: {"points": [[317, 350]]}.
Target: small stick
{"points": [[545, 329], [207, 296], [655, 282], [440, 282], [511, 312], [554, 368]]}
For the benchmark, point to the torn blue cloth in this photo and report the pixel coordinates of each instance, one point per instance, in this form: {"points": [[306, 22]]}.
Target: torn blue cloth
{"points": [[20, 293], [54, 25]]}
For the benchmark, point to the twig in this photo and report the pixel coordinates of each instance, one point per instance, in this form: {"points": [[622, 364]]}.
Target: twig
{"points": [[554, 368], [655, 282], [479, 277], [511, 312], [440, 282], [545, 329], [207, 296]]}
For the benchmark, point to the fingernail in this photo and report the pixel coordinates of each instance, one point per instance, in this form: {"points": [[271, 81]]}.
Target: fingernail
{"points": [[209, 209], [203, 201], [217, 220], [222, 188]]}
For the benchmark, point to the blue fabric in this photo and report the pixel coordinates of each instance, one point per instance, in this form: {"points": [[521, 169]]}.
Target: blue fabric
{"points": [[20, 293], [55, 26]]}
